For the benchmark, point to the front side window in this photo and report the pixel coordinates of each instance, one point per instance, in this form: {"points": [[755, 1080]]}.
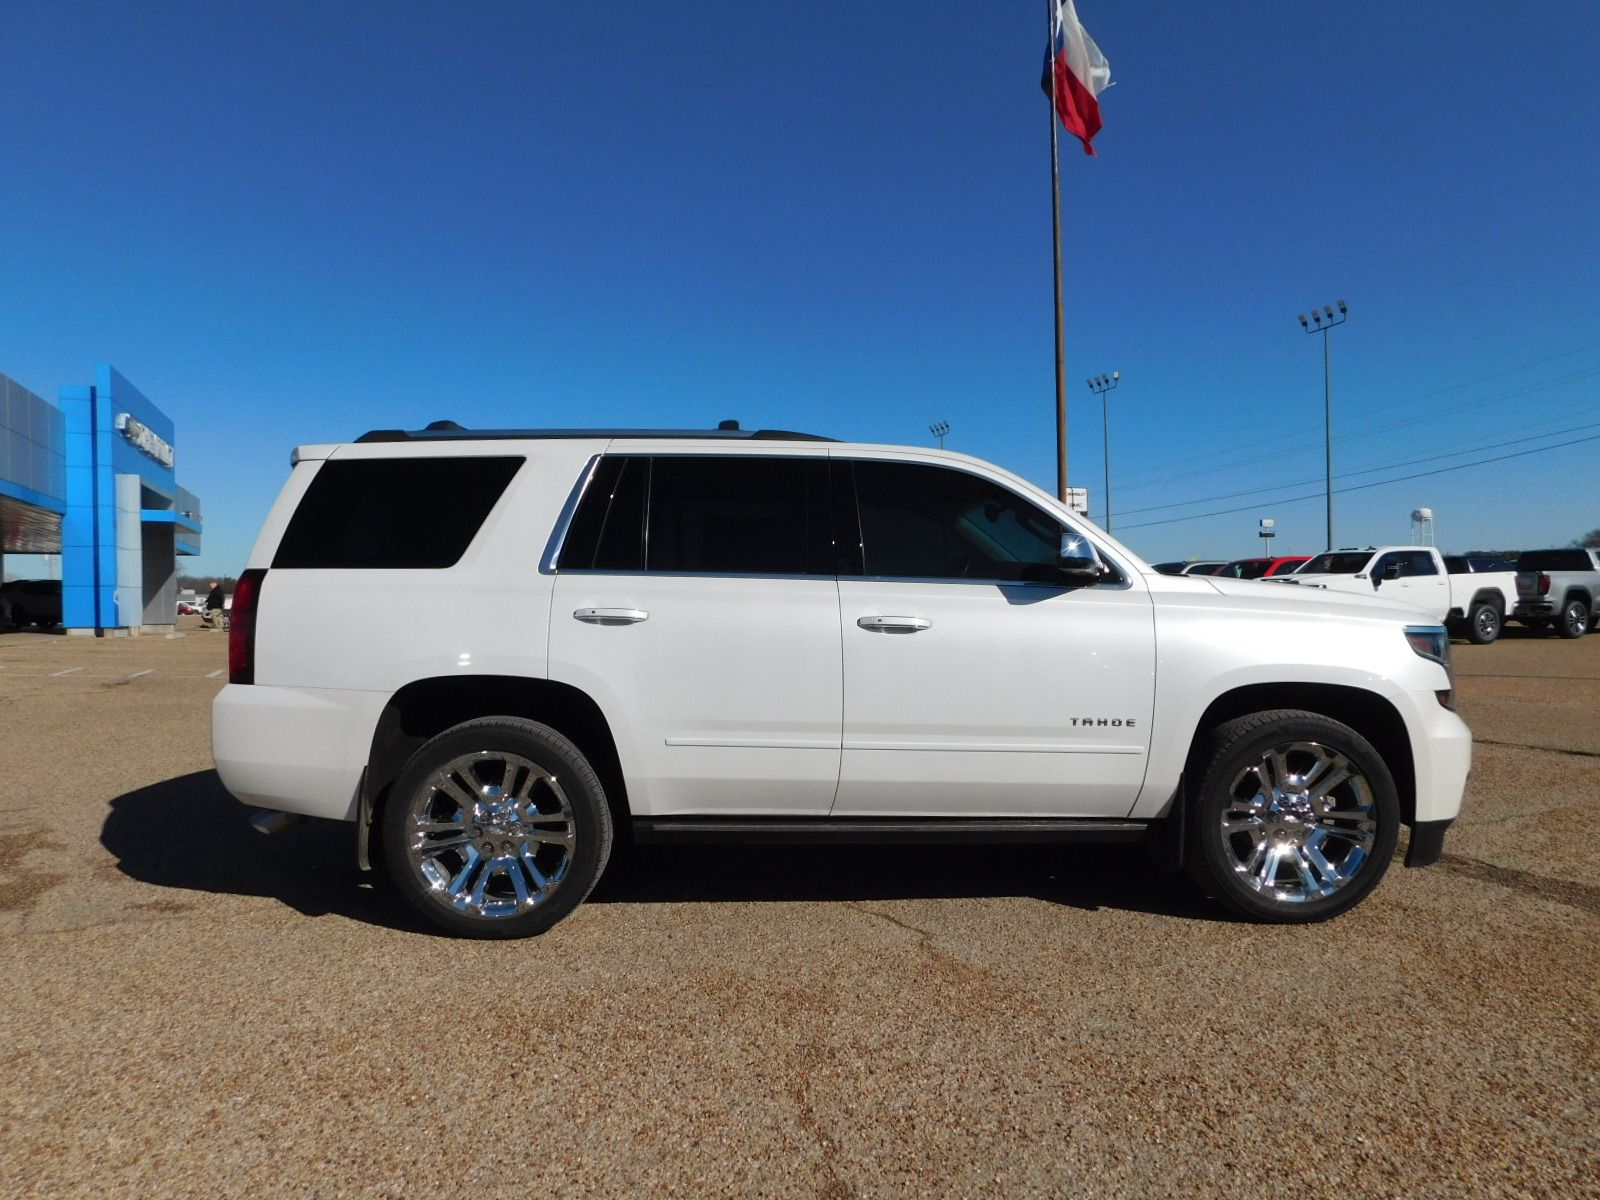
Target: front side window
{"points": [[1335, 563], [926, 522], [1411, 563]]}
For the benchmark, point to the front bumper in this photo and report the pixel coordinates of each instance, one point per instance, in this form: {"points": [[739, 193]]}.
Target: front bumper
{"points": [[1441, 753]]}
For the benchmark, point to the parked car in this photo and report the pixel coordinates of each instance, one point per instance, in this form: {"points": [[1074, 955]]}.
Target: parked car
{"points": [[1558, 587], [32, 601], [1483, 592], [1263, 568], [1412, 575], [1190, 567], [761, 636]]}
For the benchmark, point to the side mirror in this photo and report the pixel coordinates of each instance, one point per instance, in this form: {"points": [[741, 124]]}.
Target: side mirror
{"points": [[1079, 563]]}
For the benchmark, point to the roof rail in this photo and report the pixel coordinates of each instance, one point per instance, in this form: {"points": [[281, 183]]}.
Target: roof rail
{"points": [[449, 431]]}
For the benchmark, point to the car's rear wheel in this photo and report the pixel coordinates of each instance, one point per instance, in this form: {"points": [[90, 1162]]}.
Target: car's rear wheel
{"points": [[1483, 624], [1295, 817], [496, 828], [1574, 622]]}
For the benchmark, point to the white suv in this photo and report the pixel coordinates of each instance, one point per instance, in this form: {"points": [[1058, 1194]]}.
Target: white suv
{"points": [[742, 636]]}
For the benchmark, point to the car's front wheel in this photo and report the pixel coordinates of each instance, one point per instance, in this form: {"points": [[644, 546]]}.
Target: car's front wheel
{"points": [[496, 828], [1294, 816]]}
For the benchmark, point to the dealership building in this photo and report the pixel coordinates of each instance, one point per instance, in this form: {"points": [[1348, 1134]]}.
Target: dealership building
{"points": [[92, 479]]}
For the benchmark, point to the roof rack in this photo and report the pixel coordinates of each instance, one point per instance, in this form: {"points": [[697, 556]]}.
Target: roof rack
{"points": [[449, 431]]}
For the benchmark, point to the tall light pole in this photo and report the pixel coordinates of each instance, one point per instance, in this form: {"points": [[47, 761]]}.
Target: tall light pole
{"points": [[1322, 322], [1100, 385], [939, 429]]}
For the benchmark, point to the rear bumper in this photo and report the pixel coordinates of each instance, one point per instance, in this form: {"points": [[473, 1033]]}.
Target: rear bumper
{"points": [[298, 750], [1534, 608]]}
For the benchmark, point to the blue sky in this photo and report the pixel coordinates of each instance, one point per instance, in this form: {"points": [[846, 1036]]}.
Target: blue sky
{"points": [[291, 223]]}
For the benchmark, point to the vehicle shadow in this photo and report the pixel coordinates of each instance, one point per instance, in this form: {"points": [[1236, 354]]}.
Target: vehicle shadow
{"points": [[1083, 877], [189, 833]]}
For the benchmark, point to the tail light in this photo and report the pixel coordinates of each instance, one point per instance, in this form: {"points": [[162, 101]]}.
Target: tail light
{"points": [[242, 626], [1544, 584]]}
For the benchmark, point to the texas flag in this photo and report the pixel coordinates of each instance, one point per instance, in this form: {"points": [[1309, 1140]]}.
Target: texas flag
{"points": [[1081, 74]]}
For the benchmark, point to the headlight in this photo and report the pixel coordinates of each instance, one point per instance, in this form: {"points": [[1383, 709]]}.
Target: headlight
{"points": [[1431, 642]]}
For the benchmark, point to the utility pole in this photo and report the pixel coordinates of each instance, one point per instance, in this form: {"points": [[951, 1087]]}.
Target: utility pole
{"points": [[1100, 385], [1322, 322]]}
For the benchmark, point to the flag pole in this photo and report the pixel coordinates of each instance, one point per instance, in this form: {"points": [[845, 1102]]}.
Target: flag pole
{"points": [[1055, 216]]}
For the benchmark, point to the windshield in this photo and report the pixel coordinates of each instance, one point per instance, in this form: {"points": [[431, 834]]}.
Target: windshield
{"points": [[1337, 562], [1249, 568]]}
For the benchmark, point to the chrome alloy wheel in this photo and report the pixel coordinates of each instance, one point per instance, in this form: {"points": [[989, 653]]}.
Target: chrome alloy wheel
{"points": [[1576, 618], [1487, 622], [491, 834], [1301, 823]]}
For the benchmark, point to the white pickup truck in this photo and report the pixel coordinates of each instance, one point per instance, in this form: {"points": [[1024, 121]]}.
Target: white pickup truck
{"points": [[1472, 603], [1483, 594]]}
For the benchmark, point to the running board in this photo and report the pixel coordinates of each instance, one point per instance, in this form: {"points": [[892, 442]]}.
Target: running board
{"points": [[803, 830]]}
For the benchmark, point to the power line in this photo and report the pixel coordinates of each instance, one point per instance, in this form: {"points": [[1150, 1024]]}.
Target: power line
{"points": [[1482, 402], [1361, 487], [1389, 408], [1410, 462]]}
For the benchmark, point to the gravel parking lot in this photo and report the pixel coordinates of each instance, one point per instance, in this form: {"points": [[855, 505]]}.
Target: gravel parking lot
{"points": [[191, 1009]]}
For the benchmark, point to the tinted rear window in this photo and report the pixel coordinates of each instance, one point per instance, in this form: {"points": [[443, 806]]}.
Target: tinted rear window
{"points": [[1555, 560], [393, 513], [1248, 568], [726, 515], [739, 515]]}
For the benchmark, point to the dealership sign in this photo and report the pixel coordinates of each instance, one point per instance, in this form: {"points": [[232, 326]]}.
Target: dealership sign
{"points": [[142, 436]]}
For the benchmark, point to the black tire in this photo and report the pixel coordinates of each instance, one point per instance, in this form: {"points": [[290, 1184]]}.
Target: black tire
{"points": [[1354, 848], [1574, 619], [1483, 624], [517, 890]]}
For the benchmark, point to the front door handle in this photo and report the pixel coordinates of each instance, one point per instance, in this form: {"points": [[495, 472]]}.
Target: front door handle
{"points": [[895, 624], [611, 616]]}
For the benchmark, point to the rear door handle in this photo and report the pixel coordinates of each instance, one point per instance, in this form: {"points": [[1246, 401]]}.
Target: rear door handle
{"points": [[895, 624], [611, 616]]}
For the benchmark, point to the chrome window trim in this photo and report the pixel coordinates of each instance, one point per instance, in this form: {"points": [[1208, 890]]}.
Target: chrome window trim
{"points": [[1122, 584], [693, 574], [1109, 585], [558, 535]]}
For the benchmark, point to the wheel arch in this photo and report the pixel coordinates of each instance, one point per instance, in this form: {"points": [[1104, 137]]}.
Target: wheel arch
{"points": [[1369, 713], [1491, 596], [426, 707]]}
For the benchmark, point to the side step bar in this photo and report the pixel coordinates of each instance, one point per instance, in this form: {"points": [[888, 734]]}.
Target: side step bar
{"points": [[811, 830]]}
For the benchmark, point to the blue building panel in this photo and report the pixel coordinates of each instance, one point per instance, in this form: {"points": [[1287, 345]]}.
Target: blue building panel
{"points": [[100, 466]]}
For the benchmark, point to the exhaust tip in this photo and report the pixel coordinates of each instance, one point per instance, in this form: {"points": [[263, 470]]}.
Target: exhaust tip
{"points": [[268, 821]]}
